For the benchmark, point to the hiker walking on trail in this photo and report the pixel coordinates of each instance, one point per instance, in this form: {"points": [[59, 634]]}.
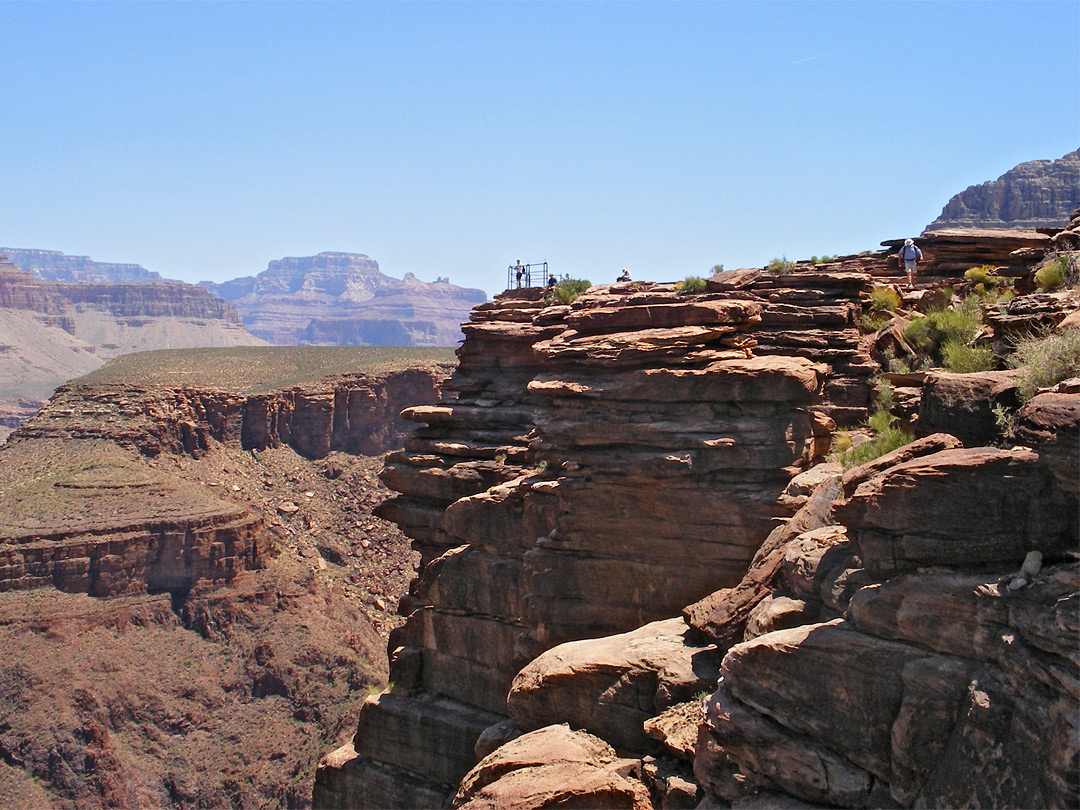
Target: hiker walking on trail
{"points": [[552, 281], [909, 257]]}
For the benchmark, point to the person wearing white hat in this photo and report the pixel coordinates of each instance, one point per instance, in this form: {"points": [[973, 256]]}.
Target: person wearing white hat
{"points": [[910, 255]]}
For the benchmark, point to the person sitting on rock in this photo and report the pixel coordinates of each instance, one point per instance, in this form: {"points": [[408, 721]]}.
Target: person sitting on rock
{"points": [[625, 275], [909, 257], [551, 280]]}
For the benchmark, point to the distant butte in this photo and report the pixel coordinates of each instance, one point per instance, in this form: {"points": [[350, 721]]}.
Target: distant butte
{"points": [[344, 299], [1035, 194]]}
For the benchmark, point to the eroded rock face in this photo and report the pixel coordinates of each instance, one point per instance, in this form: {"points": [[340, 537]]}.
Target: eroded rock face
{"points": [[552, 767], [944, 657], [611, 686], [353, 413], [950, 507], [590, 451], [1035, 194]]}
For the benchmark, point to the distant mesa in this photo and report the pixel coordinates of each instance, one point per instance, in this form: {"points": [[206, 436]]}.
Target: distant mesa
{"points": [[52, 265], [1036, 194], [52, 331], [343, 299]]}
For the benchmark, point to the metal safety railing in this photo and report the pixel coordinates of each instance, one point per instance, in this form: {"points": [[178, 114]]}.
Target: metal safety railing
{"points": [[523, 275]]}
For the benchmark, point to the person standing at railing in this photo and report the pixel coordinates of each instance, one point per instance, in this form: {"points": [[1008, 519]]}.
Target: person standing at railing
{"points": [[519, 272]]}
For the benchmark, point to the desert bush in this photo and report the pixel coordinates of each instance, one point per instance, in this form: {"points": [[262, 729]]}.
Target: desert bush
{"points": [[884, 298], [1045, 360], [963, 359], [873, 321], [717, 269], [692, 284], [1058, 270], [570, 288], [780, 266], [962, 323], [983, 274], [887, 437]]}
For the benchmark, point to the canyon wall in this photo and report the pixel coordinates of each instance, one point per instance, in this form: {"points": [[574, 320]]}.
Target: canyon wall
{"points": [[600, 466], [1035, 194], [191, 610], [104, 526], [343, 299], [876, 638]]}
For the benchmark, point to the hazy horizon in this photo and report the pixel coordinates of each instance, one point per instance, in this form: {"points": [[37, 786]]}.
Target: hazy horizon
{"points": [[449, 139]]}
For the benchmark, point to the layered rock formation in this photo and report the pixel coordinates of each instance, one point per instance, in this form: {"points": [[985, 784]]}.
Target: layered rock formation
{"points": [[606, 465], [343, 299], [52, 265], [543, 498], [190, 609], [53, 331], [1036, 194]]}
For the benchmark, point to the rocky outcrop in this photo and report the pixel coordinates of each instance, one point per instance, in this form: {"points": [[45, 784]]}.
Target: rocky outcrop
{"points": [[343, 299], [542, 496], [604, 465], [52, 265], [1036, 194], [955, 644]]}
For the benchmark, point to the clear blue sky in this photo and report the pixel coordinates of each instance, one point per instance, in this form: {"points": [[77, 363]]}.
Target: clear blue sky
{"points": [[202, 140]]}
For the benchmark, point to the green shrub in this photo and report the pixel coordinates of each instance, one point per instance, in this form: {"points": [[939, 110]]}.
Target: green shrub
{"points": [[873, 321], [884, 298], [570, 288], [780, 266], [1045, 360], [884, 442], [963, 359], [982, 274], [927, 334], [692, 284], [717, 269], [1056, 270]]}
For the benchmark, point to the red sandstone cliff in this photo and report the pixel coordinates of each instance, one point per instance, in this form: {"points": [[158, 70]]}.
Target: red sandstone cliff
{"points": [[602, 467]]}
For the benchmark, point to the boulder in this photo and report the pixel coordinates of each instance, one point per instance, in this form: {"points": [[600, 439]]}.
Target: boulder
{"points": [[552, 767], [1050, 423], [611, 686]]}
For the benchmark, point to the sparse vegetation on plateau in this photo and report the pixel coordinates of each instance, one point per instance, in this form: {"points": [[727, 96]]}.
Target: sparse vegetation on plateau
{"points": [[568, 289], [1045, 360], [887, 436], [1058, 270], [959, 324], [960, 357], [257, 368], [692, 284], [780, 266], [884, 298]]}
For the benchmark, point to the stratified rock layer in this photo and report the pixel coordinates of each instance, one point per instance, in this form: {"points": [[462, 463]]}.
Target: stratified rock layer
{"points": [[343, 299], [949, 676], [1035, 194], [591, 451]]}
